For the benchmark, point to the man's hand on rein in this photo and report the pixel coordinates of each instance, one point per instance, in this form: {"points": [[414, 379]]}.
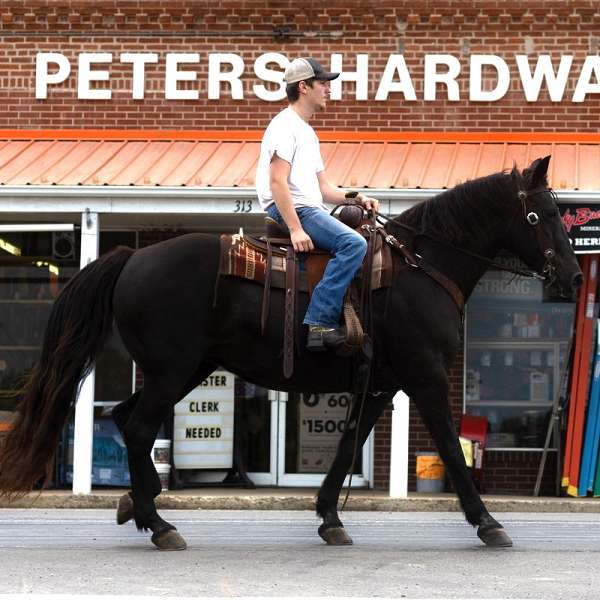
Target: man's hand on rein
{"points": [[368, 203]]}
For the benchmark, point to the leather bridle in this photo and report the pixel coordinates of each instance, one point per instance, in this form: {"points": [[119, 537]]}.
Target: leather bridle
{"points": [[531, 217], [544, 242]]}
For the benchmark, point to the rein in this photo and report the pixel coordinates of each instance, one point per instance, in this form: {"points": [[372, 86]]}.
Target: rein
{"points": [[532, 218]]}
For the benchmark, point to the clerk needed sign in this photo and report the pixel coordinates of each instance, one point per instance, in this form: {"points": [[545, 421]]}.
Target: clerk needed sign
{"points": [[203, 431]]}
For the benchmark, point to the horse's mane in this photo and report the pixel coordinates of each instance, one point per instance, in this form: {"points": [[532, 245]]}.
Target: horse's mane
{"points": [[465, 213]]}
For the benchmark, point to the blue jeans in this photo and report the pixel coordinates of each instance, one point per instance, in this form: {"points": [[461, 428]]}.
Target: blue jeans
{"points": [[348, 249]]}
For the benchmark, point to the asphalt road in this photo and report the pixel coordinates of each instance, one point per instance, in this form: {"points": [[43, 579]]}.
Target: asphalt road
{"points": [[278, 553]]}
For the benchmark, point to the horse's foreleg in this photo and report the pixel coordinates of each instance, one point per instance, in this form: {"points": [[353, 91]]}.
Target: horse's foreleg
{"points": [[432, 402], [332, 530]]}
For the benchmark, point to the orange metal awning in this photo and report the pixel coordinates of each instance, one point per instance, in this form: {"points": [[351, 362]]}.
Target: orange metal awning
{"points": [[228, 159]]}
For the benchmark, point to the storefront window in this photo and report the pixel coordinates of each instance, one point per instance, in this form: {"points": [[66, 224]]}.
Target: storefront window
{"points": [[33, 269], [314, 425], [516, 344]]}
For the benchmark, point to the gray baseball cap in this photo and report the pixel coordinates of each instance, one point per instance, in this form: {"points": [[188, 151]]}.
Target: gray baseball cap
{"points": [[306, 68]]}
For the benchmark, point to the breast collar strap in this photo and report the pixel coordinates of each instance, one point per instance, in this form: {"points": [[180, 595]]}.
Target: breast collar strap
{"points": [[416, 261]]}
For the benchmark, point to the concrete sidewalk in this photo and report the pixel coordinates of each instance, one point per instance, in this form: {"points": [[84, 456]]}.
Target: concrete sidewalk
{"points": [[302, 499]]}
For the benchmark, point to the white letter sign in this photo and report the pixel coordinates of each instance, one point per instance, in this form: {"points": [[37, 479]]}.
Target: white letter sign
{"points": [[396, 63], [215, 76], [203, 428], [448, 78], [139, 60], [591, 68], [43, 78], [476, 92], [544, 70], [86, 76], [173, 76], [360, 76], [262, 72]]}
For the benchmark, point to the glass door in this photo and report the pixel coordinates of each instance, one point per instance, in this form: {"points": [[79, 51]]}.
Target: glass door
{"points": [[310, 427], [258, 414]]}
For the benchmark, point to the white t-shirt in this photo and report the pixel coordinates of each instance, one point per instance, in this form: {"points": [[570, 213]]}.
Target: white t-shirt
{"points": [[296, 142]]}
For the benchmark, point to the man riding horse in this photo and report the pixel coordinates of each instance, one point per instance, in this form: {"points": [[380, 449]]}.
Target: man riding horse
{"points": [[292, 187]]}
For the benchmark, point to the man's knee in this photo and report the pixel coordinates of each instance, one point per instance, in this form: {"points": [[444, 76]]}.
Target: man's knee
{"points": [[352, 245], [358, 245]]}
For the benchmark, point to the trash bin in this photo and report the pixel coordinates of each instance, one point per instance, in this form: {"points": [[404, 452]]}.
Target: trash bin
{"points": [[430, 472], [161, 452], [161, 457]]}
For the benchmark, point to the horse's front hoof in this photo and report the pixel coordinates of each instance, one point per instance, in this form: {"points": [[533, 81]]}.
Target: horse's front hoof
{"points": [[335, 536], [494, 538], [124, 509], [168, 540]]}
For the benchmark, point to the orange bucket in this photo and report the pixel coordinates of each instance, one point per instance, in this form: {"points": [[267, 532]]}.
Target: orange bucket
{"points": [[430, 472]]}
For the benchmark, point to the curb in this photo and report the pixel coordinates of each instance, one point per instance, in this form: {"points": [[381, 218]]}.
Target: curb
{"points": [[431, 503]]}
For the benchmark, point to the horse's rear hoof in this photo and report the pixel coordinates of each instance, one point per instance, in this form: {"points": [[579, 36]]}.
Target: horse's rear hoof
{"points": [[124, 509], [168, 540], [494, 538], [335, 536]]}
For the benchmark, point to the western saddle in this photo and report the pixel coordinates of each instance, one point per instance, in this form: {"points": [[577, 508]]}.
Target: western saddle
{"points": [[271, 261]]}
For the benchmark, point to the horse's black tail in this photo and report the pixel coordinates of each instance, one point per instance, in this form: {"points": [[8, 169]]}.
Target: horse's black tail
{"points": [[79, 323]]}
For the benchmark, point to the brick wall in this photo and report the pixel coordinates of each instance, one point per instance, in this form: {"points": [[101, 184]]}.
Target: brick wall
{"points": [[249, 28]]}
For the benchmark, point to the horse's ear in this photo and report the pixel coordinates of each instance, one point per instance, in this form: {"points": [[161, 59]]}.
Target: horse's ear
{"points": [[539, 171]]}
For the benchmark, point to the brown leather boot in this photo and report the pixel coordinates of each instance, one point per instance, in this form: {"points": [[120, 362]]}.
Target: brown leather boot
{"points": [[322, 338]]}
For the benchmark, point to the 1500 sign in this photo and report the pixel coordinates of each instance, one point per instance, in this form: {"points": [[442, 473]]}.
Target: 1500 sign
{"points": [[321, 423], [320, 426]]}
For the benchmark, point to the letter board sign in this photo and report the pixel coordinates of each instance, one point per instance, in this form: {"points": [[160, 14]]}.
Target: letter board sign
{"points": [[203, 428]]}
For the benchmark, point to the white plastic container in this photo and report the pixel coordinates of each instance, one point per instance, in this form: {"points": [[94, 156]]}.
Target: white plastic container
{"points": [[161, 452], [163, 471]]}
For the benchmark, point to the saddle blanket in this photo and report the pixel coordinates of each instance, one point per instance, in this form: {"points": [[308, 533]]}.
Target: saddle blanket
{"points": [[240, 258]]}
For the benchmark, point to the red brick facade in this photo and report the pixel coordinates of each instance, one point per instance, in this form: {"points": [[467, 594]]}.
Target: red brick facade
{"points": [[304, 27], [250, 28]]}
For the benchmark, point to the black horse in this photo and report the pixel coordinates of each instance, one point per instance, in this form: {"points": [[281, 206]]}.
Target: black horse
{"points": [[162, 299]]}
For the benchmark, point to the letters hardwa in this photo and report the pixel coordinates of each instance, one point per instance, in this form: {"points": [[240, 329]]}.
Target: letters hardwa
{"points": [[488, 76]]}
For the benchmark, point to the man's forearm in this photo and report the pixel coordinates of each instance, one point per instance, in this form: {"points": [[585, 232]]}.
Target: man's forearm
{"points": [[285, 206], [334, 195]]}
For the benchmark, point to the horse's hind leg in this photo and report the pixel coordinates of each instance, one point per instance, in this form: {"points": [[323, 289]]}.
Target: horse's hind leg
{"points": [[152, 406], [120, 415], [431, 399], [332, 530], [139, 419]]}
